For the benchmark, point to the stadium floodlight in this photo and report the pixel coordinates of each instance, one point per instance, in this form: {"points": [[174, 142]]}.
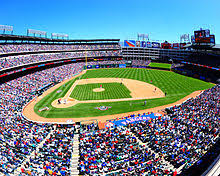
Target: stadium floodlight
{"points": [[5, 28], [143, 36], [59, 35], [36, 32], [184, 38]]}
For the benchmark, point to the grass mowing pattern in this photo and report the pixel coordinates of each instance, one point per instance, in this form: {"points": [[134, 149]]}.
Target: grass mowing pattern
{"points": [[112, 91], [159, 65], [47, 100], [176, 86]]}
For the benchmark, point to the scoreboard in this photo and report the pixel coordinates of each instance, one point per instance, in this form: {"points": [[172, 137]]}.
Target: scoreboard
{"points": [[204, 36], [202, 33]]}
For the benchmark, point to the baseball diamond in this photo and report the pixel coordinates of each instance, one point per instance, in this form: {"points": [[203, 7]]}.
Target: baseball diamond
{"points": [[111, 91], [174, 85]]}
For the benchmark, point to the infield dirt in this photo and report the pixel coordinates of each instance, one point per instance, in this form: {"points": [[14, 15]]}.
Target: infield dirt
{"points": [[30, 114], [139, 90]]}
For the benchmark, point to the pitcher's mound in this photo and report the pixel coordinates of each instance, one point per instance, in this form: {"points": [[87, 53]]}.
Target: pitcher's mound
{"points": [[98, 89]]}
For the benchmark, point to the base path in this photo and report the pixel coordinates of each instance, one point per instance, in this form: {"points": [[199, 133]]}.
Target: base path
{"points": [[139, 90], [31, 115]]}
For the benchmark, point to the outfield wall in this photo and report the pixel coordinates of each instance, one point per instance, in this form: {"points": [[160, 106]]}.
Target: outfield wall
{"points": [[122, 66]]}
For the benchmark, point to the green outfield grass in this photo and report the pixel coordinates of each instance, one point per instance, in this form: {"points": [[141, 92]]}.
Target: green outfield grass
{"points": [[176, 87], [112, 91], [160, 65]]}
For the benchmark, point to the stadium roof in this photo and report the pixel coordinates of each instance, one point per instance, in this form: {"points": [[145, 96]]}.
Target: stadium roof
{"points": [[7, 37], [205, 47]]}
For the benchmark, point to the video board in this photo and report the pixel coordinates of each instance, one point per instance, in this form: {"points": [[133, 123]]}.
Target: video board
{"points": [[200, 34], [204, 36]]}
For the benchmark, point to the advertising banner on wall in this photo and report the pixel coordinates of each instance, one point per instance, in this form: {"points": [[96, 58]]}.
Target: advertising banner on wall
{"points": [[122, 65], [176, 46], [89, 66], [143, 44], [140, 66], [129, 43], [155, 45], [131, 120], [138, 44], [166, 45], [149, 45]]}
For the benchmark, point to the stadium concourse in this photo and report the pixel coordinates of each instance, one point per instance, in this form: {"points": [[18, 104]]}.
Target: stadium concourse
{"points": [[187, 137]]}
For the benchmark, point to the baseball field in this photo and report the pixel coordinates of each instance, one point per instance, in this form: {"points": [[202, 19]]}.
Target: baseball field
{"points": [[113, 91], [160, 65]]}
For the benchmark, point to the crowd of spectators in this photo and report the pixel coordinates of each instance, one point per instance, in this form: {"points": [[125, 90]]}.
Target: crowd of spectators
{"points": [[184, 135], [203, 73], [115, 151], [106, 62], [19, 137], [175, 65], [16, 48], [32, 82], [181, 138], [54, 157], [141, 62], [12, 61]]}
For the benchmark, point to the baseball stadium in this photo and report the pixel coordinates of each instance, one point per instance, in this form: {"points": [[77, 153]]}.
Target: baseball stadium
{"points": [[113, 107]]}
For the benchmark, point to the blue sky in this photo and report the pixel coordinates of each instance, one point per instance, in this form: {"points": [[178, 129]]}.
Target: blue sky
{"points": [[123, 19]]}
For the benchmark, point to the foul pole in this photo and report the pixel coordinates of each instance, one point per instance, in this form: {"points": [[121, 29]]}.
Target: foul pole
{"points": [[86, 58]]}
